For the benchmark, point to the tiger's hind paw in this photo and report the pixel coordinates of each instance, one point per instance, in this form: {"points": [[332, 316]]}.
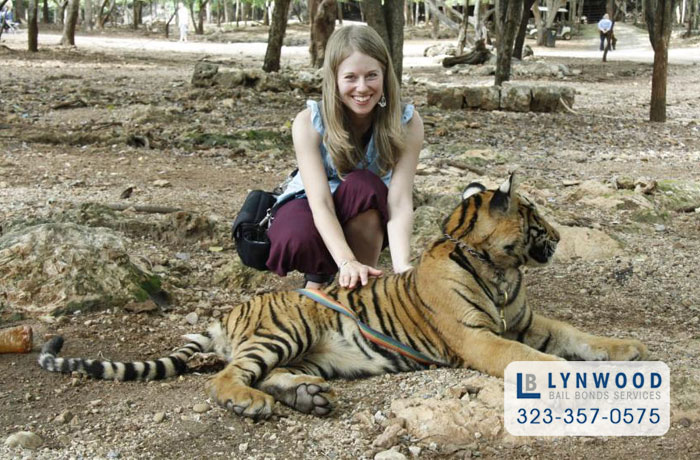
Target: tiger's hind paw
{"points": [[309, 394], [310, 398]]}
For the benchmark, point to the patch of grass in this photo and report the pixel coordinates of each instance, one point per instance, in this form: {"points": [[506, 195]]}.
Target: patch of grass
{"points": [[147, 288], [676, 194], [648, 216]]}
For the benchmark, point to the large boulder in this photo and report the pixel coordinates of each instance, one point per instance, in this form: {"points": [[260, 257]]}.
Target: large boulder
{"points": [[585, 244], [58, 268]]}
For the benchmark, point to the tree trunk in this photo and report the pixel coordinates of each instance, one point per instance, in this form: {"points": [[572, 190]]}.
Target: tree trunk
{"points": [[88, 23], [68, 38], [659, 18], [199, 30], [478, 26], [538, 23], [522, 30], [137, 8], [552, 7], [19, 10], [463, 29], [387, 20], [105, 17], [278, 27], [61, 13], [508, 14], [33, 26], [45, 12], [322, 16]]}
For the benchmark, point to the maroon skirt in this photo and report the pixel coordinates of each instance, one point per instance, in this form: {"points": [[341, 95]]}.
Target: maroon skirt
{"points": [[295, 242]]}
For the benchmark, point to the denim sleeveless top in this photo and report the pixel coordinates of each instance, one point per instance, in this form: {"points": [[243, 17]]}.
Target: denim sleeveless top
{"points": [[296, 186]]}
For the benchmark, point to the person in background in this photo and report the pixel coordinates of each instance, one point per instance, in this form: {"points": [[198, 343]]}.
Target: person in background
{"points": [[183, 21], [357, 153], [604, 26]]}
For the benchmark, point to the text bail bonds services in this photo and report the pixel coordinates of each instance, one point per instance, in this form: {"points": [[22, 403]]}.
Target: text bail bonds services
{"points": [[584, 398]]}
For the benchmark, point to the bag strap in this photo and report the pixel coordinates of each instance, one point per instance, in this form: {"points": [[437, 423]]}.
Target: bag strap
{"points": [[370, 334]]}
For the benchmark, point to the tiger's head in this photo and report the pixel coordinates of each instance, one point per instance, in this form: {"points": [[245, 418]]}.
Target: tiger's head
{"points": [[502, 225]]}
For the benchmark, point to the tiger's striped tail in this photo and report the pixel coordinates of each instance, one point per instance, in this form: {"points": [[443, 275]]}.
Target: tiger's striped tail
{"points": [[172, 365]]}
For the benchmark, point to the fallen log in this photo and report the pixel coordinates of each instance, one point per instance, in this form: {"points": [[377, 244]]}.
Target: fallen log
{"points": [[478, 55]]}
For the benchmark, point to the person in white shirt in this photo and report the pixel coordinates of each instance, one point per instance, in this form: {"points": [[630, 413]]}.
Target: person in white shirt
{"points": [[604, 26], [183, 21]]}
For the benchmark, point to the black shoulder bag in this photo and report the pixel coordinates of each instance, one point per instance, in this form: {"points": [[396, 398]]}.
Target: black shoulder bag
{"points": [[249, 229]]}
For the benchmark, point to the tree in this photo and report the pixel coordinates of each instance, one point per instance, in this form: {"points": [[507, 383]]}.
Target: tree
{"points": [[88, 21], [33, 26], [45, 12], [508, 14], [659, 17], [278, 27], [322, 16], [68, 38], [388, 21], [522, 31]]}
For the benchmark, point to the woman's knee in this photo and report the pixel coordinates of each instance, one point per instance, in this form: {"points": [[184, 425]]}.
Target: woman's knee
{"points": [[364, 180]]}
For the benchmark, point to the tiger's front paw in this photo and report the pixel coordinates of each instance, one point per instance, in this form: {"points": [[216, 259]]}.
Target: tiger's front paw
{"points": [[627, 350], [241, 399], [618, 350]]}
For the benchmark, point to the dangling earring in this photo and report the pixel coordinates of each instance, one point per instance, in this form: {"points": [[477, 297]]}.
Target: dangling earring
{"points": [[382, 102]]}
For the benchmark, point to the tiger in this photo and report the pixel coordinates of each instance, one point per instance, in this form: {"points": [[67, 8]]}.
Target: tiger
{"points": [[463, 305]]}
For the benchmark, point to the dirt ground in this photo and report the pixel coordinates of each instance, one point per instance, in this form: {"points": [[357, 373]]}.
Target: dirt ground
{"points": [[72, 129]]}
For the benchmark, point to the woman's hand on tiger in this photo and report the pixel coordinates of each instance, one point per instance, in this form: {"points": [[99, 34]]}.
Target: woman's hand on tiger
{"points": [[353, 271]]}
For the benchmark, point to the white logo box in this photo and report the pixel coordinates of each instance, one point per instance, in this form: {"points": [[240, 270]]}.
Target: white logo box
{"points": [[587, 398]]}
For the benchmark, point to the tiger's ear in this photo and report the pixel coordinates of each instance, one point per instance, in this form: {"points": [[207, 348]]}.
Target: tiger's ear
{"points": [[503, 199], [472, 189]]}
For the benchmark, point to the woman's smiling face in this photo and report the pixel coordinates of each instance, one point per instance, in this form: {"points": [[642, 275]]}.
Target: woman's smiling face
{"points": [[360, 84]]}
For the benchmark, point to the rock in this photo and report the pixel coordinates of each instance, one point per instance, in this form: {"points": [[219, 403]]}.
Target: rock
{"points": [[243, 447], [415, 450], [440, 50], [548, 98], [162, 183], [585, 244], [235, 275], [24, 439], [445, 97], [454, 421], [62, 268], [515, 98], [192, 318], [482, 97], [389, 437], [183, 226], [390, 455], [64, 417], [204, 74], [158, 417], [230, 78], [201, 408], [141, 307]]}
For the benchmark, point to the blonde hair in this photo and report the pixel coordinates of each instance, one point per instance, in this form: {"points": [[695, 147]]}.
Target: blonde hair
{"points": [[343, 147]]}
